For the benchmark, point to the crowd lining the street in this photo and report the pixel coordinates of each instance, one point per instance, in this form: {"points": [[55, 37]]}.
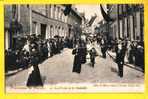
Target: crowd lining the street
{"points": [[134, 50], [20, 57]]}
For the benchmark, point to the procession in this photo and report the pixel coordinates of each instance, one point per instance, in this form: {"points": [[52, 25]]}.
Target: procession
{"points": [[62, 54]]}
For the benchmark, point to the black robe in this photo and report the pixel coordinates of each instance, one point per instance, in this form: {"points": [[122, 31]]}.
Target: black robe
{"points": [[77, 60]]}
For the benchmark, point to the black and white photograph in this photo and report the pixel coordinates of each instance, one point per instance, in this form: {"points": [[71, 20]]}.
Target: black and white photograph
{"points": [[74, 48]]}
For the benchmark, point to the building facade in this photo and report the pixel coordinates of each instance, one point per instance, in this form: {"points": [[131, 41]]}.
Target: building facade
{"points": [[128, 21], [45, 20], [74, 22], [48, 21]]}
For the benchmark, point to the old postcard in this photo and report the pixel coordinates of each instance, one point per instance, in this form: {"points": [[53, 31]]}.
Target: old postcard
{"points": [[74, 48]]}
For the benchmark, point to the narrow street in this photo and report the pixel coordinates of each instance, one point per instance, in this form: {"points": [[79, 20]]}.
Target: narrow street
{"points": [[58, 69]]}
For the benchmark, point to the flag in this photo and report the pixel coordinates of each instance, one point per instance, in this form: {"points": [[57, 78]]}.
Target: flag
{"points": [[105, 15]]}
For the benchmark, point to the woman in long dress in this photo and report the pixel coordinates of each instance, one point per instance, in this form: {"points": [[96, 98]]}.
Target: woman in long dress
{"points": [[34, 78]]}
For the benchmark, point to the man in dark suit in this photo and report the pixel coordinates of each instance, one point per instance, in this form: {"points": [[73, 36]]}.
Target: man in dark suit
{"points": [[120, 54]]}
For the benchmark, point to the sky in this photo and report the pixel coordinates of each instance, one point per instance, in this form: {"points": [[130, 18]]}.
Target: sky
{"points": [[90, 10]]}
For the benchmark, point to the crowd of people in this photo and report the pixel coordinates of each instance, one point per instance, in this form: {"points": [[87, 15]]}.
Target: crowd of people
{"points": [[129, 52], [134, 49], [21, 57]]}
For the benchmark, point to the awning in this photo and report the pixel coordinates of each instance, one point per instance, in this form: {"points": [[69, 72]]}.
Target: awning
{"points": [[105, 15]]}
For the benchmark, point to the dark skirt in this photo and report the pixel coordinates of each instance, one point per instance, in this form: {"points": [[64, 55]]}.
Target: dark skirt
{"points": [[77, 64], [34, 78]]}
